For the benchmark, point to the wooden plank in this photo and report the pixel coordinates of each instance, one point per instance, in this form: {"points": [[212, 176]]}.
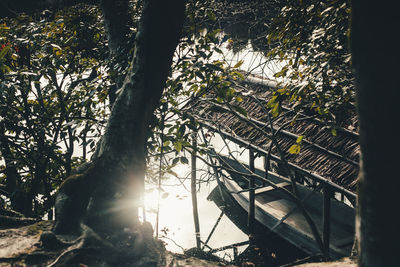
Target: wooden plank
{"points": [[270, 188], [278, 208]]}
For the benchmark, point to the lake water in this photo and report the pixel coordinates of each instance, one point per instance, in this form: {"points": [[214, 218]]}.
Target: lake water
{"points": [[175, 212], [176, 223]]}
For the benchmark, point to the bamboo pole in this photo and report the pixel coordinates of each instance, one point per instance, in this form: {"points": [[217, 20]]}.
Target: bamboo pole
{"points": [[160, 168], [213, 229], [326, 216], [251, 195], [194, 189]]}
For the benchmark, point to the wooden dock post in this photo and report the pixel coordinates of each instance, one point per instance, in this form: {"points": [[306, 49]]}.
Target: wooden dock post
{"points": [[235, 253], [251, 195], [194, 189], [266, 168], [326, 217]]}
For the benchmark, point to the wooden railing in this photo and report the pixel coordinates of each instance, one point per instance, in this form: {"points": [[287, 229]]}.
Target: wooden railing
{"points": [[328, 187]]}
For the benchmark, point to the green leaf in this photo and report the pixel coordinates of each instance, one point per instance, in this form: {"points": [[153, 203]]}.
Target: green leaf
{"points": [[236, 74], [229, 92], [281, 91], [271, 103], [299, 139], [199, 74], [238, 64], [333, 131], [275, 110], [5, 68], [4, 51], [238, 99], [184, 160], [219, 99], [175, 161], [282, 72], [166, 143], [214, 67], [178, 146], [219, 51], [295, 149]]}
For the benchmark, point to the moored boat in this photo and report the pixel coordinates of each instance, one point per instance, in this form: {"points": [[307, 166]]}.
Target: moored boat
{"points": [[277, 212]]}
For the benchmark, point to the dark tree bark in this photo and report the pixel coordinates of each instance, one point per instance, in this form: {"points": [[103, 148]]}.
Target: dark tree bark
{"points": [[117, 22], [376, 58], [115, 180]]}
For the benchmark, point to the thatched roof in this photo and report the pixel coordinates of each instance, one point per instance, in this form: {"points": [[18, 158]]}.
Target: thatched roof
{"points": [[332, 155]]}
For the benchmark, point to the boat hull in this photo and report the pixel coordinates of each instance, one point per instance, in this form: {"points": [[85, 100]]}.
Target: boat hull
{"points": [[277, 213]]}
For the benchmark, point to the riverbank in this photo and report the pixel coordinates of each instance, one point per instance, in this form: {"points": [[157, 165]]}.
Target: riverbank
{"points": [[345, 262], [22, 246]]}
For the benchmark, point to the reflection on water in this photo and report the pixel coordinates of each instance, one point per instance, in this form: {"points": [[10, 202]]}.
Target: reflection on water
{"points": [[176, 216], [176, 224]]}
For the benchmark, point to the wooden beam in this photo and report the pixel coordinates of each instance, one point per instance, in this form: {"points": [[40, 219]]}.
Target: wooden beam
{"points": [[285, 133], [326, 217], [251, 195], [270, 188], [351, 196]]}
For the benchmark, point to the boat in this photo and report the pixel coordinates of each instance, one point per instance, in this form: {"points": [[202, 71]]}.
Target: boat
{"points": [[276, 211], [280, 252]]}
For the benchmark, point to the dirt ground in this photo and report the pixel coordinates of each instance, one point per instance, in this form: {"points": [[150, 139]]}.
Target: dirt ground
{"points": [[345, 262], [21, 246]]}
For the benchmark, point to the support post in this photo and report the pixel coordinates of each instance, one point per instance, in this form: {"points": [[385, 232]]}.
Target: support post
{"points": [[251, 195], [160, 173], [326, 220], [266, 168], [194, 189], [213, 229], [235, 253]]}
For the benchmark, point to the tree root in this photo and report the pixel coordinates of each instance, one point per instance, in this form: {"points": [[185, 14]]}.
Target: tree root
{"points": [[123, 248], [69, 254]]}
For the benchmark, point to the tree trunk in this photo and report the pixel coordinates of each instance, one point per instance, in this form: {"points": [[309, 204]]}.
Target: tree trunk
{"points": [[122, 148], [117, 22], [375, 58]]}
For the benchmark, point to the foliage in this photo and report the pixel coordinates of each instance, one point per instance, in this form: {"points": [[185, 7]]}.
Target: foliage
{"points": [[310, 38], [56, 75], [198, 71], [53, 92]]}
